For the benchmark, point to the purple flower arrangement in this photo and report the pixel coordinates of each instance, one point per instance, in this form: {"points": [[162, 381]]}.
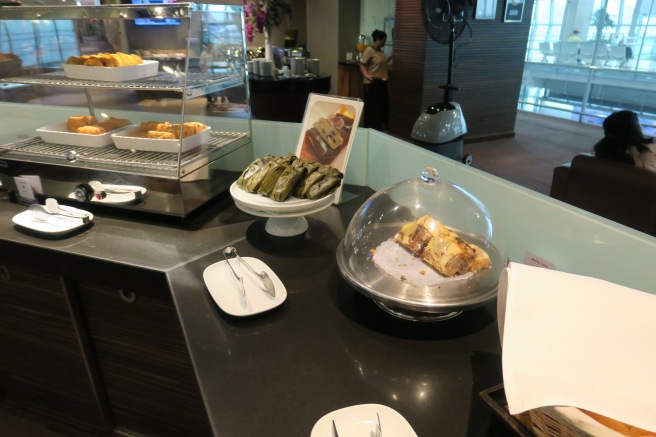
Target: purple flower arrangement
{"points": [[264, 14]]}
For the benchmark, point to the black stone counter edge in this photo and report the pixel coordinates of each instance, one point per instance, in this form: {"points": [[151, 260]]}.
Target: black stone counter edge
{"points": [[354, 324]]}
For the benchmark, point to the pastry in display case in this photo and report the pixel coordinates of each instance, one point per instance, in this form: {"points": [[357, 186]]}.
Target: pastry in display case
{"points": [[96, 104], [423, 249]]}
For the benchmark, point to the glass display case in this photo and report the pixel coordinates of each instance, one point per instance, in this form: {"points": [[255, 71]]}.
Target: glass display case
{"points": [[134, 106], [423, 249]]}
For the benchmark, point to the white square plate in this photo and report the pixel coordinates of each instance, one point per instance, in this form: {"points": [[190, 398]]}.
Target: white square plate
{"points": [[55, 225], [58, 134], [123, 140], [112, 74], [361, 420], [225, 291]]}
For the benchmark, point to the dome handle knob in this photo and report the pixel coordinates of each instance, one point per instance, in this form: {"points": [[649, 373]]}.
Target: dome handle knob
{"points": [[430, 175]]}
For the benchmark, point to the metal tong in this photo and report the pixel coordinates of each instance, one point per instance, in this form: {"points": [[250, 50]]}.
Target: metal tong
{"points": [[52, 208], [267, 283]]}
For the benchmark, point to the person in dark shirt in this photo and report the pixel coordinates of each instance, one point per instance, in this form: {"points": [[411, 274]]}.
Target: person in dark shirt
{"points": [[624, 141]]}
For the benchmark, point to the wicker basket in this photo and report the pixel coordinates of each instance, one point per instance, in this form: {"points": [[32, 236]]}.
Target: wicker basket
{"points": [[547, 421], [541, 424]]}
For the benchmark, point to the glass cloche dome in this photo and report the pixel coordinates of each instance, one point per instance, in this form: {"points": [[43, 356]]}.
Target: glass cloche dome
{"points": [[423, 249]]}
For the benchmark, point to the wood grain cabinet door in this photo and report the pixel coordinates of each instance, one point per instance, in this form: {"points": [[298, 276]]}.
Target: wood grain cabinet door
{"points": [[43, 367], [143, 359]]}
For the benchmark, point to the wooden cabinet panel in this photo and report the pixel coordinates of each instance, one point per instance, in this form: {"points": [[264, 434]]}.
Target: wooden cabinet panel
{"points": [[349, 80], [42, 364], [143, 359]]}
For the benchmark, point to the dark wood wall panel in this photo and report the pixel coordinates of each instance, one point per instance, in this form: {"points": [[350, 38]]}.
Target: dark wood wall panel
{"points": [[406, 86], [488, 69]]}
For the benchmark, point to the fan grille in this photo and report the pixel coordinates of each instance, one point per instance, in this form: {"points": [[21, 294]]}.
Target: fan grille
{"points": [[437, 17]]}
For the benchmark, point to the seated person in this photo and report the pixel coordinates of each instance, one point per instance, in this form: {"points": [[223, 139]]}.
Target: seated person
{"points": [[624, 141]]}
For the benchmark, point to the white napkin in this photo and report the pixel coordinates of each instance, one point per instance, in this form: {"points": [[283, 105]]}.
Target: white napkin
{"points": [[577, 341]]}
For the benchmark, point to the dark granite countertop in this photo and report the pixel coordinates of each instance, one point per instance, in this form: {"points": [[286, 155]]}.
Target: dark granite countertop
{"points": [[327, 347]]}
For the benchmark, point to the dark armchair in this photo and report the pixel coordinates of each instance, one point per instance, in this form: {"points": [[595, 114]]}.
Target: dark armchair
{"points": [[614, 190]]}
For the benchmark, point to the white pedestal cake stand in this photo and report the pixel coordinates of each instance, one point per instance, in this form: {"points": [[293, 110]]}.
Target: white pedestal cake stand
{"points": [[285, 219]]}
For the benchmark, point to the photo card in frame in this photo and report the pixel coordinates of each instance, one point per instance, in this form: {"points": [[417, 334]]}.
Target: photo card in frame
{"points": [[328, 131], [514, 11]]}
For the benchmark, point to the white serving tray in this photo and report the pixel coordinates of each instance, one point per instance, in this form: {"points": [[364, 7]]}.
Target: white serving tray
{"points": [[112, 74], [58, 134], [122, 140], [55, 225], [224, 289], [293, 205], [361, 421]]}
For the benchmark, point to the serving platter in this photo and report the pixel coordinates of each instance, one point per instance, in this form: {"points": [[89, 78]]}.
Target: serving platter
{"points": [[224, 289], [112, 74], [292, 205], [54, 225], [284, 220], [361, 420], [441, 300], [123, 140], [58, 133]]}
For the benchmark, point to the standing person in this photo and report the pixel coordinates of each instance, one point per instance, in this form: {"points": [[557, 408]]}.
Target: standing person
{"points": [[624, 141], [373, 67], [575, 36]]}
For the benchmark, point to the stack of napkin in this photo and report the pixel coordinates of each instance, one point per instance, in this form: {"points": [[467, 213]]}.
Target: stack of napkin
{"points": [[577, 341]]}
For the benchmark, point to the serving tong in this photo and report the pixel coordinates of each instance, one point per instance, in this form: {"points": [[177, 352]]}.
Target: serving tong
{"points": [[41, 213], [378, 431], [267, 283]]}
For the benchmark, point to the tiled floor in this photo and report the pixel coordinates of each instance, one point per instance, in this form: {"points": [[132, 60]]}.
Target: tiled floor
{"points": [[528, 159]]}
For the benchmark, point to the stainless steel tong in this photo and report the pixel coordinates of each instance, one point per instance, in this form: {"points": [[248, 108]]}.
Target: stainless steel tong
{"points": [[267, 283]]}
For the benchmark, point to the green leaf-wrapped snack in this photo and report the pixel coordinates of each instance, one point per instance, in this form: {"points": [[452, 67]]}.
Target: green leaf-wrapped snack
{"points": [[287, 183], [270, 179], [324, 187], [305, 184], [253, 184], [249, 172]]}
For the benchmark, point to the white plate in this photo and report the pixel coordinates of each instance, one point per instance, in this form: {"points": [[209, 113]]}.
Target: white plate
{"points": [[112, 74], [55, 225], [116, 198], [58, 133], [225, 291], [122, 140], [257, 202], [361, 420], [273, 214]]}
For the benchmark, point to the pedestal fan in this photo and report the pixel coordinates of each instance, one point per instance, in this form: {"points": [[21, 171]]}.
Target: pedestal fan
{"points": [[441, 127]]}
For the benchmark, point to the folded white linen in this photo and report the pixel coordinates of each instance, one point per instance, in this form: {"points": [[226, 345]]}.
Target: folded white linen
{"points": [[577, 341]]}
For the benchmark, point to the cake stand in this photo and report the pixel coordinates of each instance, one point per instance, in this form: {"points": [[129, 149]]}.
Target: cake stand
{"points": [[285, 219]]}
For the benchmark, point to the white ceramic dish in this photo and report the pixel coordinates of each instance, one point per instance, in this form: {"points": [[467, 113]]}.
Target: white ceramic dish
{"points": [[112, 74], [117, 198], [361, 420], [55, 225], [122, 140], [257, 202], [224, 289], [58, 134]]}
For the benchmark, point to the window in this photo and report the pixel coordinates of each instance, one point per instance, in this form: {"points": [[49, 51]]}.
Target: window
{"points": [[586, 59]]}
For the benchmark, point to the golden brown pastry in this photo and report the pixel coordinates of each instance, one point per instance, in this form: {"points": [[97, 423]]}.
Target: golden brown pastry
{"points": [[442, 248], [161, 135], [73, 123], [93, 61], [105, 60], [195, 127], [114, 123], [91, 130]]}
